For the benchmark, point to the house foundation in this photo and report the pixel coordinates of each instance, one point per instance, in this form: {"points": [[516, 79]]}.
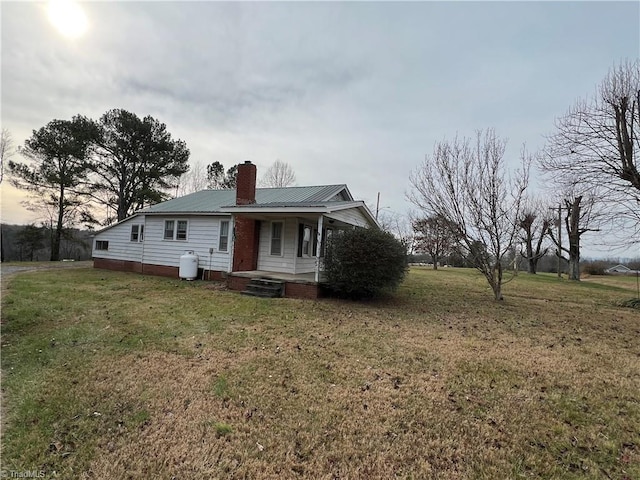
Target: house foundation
{"points": [[295, 286]]}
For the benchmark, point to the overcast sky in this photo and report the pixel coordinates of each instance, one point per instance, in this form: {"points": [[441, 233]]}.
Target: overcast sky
{"points": [[353, 93]]}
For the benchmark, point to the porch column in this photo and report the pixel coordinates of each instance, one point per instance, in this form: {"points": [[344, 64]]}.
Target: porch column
{"points": [[319, 247]]}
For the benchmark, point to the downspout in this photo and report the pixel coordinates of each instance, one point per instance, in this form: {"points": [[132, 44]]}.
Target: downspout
{"points": [[319, 247]]}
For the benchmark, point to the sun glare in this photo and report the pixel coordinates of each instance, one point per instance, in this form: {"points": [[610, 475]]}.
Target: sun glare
{"points": [[68, 17]]}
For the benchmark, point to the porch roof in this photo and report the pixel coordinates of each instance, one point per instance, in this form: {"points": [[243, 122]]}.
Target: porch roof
{"points": [[272, 210]]}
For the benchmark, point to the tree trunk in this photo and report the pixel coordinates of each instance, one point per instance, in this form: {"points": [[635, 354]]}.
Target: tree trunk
{"points": [[531, 259], [496, 281], [435, 261], [55, 244], [574, 269], [497, 291], [122, 212], [574, 258], [574, 240], [124, 199]]}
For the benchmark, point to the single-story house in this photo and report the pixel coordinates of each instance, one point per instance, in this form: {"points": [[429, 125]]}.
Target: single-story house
{"points": [[620, 270], [237, 235]]}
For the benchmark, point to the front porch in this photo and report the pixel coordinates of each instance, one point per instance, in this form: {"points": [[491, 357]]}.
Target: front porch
{"points": [[301, 285], [285, 277]]}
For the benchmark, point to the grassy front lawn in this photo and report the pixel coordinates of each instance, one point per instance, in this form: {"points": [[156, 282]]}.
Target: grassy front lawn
{"points": [[111, 375]]}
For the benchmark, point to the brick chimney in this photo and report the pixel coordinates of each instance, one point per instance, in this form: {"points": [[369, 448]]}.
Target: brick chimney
{"points": [[245, 252], [246, 184]]}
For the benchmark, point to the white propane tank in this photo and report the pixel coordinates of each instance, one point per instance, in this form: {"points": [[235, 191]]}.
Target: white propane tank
{"points": [[189, 265]]}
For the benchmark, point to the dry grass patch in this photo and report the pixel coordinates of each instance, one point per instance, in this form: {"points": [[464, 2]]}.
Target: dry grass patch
{"points": [[627, 282], [439, 381]]}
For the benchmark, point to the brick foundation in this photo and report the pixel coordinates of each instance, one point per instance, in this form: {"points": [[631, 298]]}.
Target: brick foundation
{"points": [[214, 275], [291, 289], [157, 270], [238, 283], [161, 270], [119, 265], [301, 290]]}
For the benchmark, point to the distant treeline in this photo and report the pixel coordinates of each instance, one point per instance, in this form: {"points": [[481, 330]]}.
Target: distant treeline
{"points": [[24, 243], [548, 263]]}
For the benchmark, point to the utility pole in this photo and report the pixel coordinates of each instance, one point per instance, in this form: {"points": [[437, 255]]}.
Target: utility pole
{"points": [[377, 206]]}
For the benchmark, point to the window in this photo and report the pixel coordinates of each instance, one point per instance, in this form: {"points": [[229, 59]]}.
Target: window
{"points": [[307, 241], [102, 245], [181, 231], [175, 229], [168, 229], [223, 243], [137, 233], [276, 238]]}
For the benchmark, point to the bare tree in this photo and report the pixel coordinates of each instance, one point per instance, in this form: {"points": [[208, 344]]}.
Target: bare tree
{"points": [[581, 217], [399, 226], [6, 150], [466, 182], [435, 236], [534, 223], [597, 143], [193, 180], [280, 174]]}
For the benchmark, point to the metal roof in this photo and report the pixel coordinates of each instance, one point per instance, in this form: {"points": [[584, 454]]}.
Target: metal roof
{"points": [[212, 201], [261, 206]]}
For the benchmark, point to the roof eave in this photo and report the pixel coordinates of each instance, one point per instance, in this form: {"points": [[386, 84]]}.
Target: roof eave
{"points": [[187, 212]]}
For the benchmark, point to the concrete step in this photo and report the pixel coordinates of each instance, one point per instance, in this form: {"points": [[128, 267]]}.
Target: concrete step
{"points": [[253, 293], [267, 282], [265, 288]]}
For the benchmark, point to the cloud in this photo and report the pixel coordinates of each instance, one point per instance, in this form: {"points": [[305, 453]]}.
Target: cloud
{"points": [[349, 92]]}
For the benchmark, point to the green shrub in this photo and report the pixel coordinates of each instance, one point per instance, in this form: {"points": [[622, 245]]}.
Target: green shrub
{"points": [[364, 262]]}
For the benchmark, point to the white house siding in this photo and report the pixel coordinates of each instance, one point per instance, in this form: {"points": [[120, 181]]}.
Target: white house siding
{"points": [[305, 264], [273, 263], [120, 245], [202, 234], [352, 216]]}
